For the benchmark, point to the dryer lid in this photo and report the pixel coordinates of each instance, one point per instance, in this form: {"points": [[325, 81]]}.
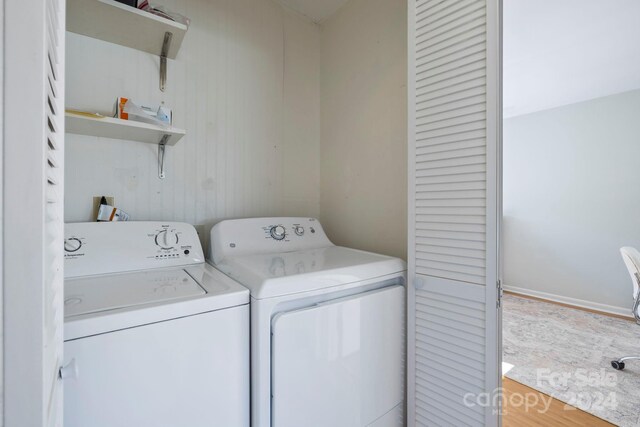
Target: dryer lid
{"points": [[278, 274], [115, 291]]}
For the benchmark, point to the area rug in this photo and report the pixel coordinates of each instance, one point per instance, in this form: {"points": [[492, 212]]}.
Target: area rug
{"points": [[566, 353]]}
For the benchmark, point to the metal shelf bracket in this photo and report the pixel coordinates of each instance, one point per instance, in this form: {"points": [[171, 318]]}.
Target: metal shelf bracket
{"points": [[162, 146], [166, 44]]}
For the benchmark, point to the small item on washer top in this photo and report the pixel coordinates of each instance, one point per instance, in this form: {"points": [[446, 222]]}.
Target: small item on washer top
{"points": [[132, 3], [103, 201], [110, 213]]}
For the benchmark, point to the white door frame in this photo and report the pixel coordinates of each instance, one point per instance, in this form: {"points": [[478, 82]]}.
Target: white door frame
{"points": [[494, 196], [23, 195], [2, 54]]}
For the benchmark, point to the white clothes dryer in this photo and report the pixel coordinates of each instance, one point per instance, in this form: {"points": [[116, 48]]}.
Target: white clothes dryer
{"points": [[327, 324]]}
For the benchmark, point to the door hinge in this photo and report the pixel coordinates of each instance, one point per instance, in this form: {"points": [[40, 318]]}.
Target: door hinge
{"points": [[500, 293]]}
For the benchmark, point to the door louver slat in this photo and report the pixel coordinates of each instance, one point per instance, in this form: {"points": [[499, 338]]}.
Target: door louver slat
{"points": [[431, 34]]}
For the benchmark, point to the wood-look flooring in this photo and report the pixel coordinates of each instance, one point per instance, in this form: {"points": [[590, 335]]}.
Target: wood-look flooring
{"points": [[557, 414]]}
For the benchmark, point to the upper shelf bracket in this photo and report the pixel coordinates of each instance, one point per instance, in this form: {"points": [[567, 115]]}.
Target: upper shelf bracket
{"points": [[121, 24], [166, 44]]}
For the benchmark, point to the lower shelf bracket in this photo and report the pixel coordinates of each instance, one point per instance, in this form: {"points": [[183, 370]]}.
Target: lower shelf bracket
{"points": [[162, 145]]}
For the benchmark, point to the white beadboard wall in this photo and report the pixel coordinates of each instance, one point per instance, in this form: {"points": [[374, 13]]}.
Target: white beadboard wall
{"points": [[245, 86]]}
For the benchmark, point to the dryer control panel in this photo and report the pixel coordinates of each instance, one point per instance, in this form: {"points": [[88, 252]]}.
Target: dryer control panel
{"points": [[265, 235], [113, 247]]}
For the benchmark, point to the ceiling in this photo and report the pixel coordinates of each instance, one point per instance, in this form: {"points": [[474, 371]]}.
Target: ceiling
{"points": [[558, 52], [316, 10]]}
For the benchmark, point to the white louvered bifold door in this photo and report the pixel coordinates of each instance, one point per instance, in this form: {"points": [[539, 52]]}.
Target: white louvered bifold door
{"points": [[33, 200], [454, 133]]}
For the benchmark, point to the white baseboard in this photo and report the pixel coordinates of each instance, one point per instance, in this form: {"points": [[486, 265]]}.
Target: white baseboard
{"points": [[612, 309]]}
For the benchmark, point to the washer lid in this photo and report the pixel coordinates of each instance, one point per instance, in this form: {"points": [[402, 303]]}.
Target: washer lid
{"points": [[109, 292], [127, 300]]}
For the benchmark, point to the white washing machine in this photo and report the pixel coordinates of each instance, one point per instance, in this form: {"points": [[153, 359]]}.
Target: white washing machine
{"points": [[153, 336], [327, 324]]}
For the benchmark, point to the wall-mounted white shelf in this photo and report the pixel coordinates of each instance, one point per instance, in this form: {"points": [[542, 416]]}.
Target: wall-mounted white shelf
{"points": [[108, 127], [118, 23]]}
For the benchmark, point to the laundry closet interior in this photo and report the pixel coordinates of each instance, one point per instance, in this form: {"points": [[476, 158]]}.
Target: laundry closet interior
{"points": [[291, 108], [285, 213], [263, 213], [267, 139]]}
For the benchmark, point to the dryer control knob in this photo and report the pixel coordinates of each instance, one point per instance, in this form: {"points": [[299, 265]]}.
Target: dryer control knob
{"points": [[278, 232], [72, 244], [299, 230]]}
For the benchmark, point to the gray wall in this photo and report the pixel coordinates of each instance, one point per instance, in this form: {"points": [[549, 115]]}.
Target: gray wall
{"points": [[572, 199], [363, 144]]}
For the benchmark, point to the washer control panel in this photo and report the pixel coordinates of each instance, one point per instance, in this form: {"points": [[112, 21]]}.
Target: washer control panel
{"points": [[112, 247], [285, 232], [261, 235]]}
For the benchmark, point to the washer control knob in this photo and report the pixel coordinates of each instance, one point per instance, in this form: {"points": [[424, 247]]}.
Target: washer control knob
{"points": [[72, 244], [166, 239], [278, 232], [299, 230]]}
